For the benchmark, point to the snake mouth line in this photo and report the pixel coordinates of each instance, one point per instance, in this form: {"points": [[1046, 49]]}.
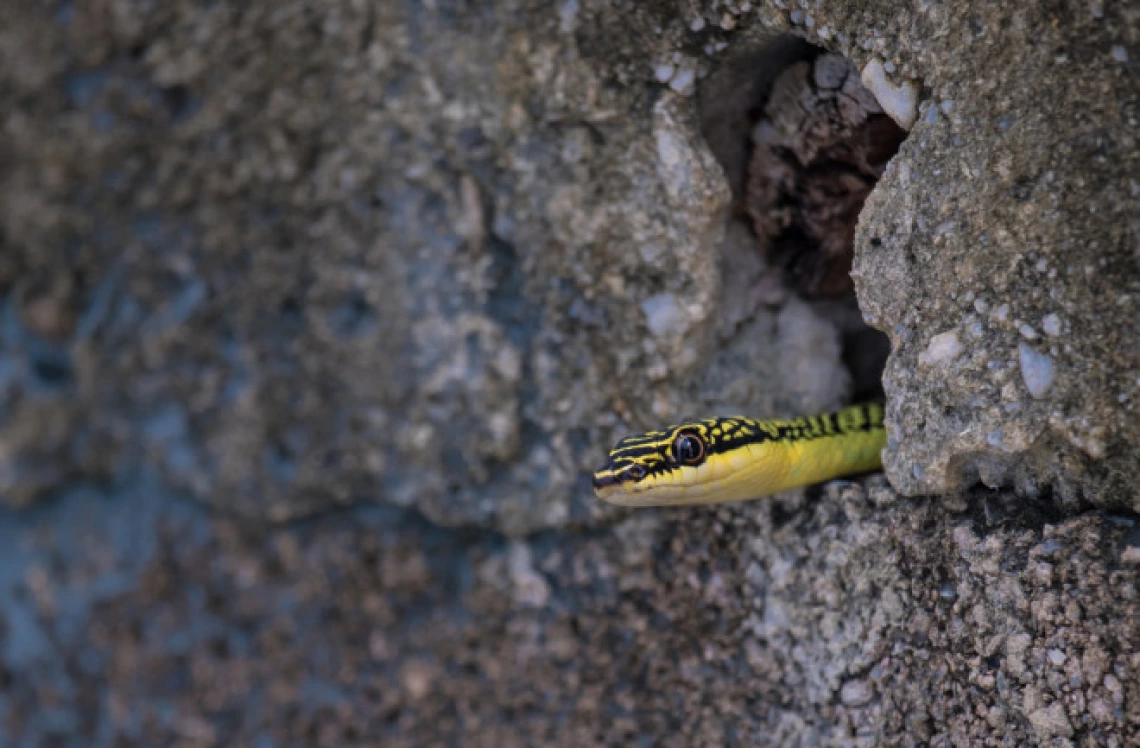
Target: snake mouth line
{"points": [[741, 458], [608, 476], [605, 480]]}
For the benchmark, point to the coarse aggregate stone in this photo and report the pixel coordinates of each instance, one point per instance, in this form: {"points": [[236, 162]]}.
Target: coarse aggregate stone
{"points": [[314, 319], [849, 617]]}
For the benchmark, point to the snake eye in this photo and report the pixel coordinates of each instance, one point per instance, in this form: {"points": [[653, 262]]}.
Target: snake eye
{"points": [[637, 472], [688, 448]]}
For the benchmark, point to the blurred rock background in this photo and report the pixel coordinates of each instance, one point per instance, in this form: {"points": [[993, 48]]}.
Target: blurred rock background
{"points": [[314, 319]]}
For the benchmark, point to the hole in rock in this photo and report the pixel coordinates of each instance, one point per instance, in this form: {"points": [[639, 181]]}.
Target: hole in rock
{"points": [[802, 144]]}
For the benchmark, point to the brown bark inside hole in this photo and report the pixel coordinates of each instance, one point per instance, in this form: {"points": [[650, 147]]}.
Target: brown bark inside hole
{"points": [[802, 143]]}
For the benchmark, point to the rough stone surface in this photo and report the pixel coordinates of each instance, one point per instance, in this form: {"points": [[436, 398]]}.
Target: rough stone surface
{"points": [[433, 257], [854, 619], [357, 252], [1012, 206]]}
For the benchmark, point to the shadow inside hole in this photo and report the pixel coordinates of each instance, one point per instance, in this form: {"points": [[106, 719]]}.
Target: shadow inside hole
{"points": [[802, 143]]}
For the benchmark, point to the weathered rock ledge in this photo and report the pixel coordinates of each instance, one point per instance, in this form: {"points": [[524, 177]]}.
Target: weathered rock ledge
{"points": [[428, 259]]}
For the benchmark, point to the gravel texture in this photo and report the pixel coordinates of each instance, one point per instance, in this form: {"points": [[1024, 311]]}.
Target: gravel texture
{"points": [[343, 252], [856, 618], [1011, 209], [398, 273]]}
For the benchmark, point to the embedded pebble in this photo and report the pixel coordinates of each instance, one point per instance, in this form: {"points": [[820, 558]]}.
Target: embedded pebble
{"points": [[531, 589], [1027, 331], [1051, 720], [663, 73], [1037, 370], [899, 102], [943, 348], [1119, 53], [1051, 323], [855, 693], [662, 314], [682, 82]]}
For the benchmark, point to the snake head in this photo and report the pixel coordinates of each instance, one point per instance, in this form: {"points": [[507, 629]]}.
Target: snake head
{"points": [[642, 462], [718, 460]]}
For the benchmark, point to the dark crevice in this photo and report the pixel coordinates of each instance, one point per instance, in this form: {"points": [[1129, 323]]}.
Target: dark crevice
{"points": [[802, 144]]}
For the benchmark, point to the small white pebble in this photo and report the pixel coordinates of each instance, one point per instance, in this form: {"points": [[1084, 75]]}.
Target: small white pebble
{"points": [[981, 305], [943, 348], [1002, 313], [899, 102], [946, 106], [1027, 331], [697, 24], [663, 316], [1119, 53], [1050, 720], [568, 14], [1037, 370], [1051, 323], [797, 17], [1057, 657], [682, 82], [855, 693], [663, 73]]}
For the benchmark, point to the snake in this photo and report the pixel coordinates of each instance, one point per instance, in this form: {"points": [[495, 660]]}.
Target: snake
{"points": [[717, 460]]}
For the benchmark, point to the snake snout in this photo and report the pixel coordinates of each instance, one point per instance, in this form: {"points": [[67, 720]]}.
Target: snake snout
{"points": [[606, 476]]}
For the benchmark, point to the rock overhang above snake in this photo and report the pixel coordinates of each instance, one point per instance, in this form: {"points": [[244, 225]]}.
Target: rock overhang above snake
{"points": [[715, 460]]}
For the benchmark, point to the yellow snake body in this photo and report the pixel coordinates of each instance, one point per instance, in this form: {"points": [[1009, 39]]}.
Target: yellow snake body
{"points": [[715, 460]]}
